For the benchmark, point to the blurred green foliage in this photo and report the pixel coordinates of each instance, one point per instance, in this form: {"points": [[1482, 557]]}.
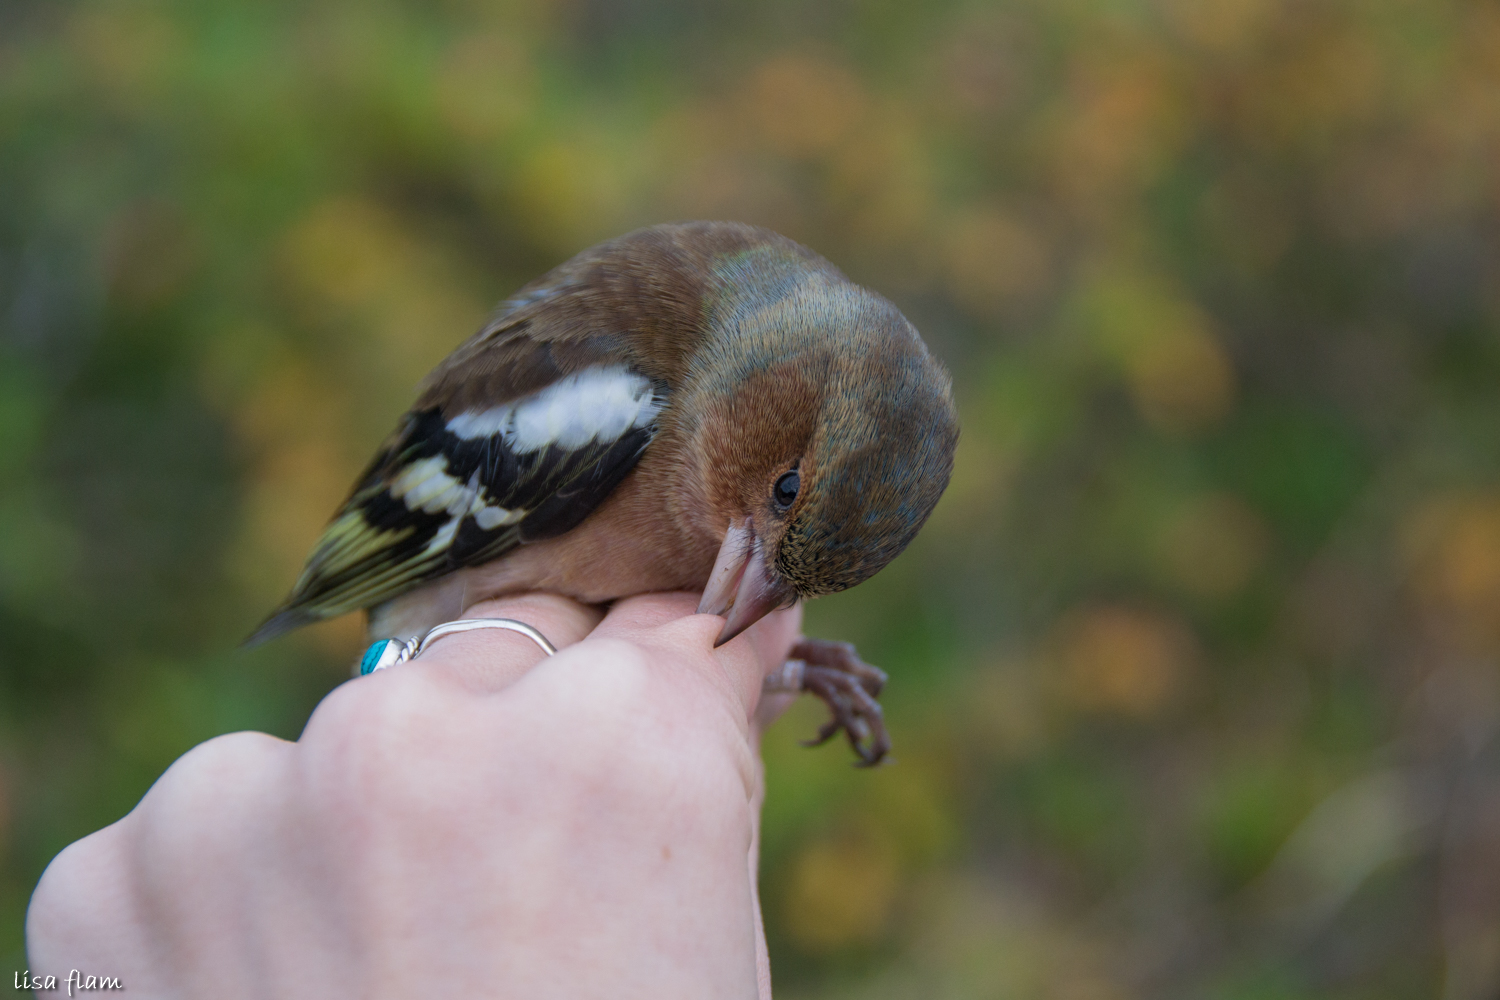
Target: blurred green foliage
{"points": [[1195, 683]]}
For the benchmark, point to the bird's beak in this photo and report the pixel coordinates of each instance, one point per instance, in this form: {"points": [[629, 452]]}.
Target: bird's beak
{"points": [[742, 587]]}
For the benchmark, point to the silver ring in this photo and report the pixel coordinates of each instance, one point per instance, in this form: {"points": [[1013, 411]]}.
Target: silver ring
{"points": [[393, 652], [470, 624]]}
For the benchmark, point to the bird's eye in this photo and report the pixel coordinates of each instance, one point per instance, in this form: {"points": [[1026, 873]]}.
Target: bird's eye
{"points": [[786, 489]]}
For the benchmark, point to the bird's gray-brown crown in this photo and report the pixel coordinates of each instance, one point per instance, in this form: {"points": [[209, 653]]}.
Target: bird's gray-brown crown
{"points": [[881, 457], [855, 443]]}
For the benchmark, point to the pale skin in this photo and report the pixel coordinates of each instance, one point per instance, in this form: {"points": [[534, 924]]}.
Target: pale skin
{"points": [[482, 821]]}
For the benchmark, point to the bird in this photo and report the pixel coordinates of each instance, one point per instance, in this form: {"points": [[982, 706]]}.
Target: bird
{"points": [[699, 406]]}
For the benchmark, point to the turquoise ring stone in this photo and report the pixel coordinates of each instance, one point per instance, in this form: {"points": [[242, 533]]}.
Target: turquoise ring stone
{"points": [[382, 654]]}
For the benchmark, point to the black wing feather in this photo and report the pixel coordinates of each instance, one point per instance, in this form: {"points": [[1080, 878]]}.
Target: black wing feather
{"points": [[379, 545]]}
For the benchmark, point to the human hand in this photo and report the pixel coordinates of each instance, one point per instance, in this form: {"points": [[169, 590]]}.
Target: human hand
{"points": [[481, 821]]}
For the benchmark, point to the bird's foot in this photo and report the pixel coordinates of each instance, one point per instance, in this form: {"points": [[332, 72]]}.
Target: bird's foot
{"points": [[848, 686]]}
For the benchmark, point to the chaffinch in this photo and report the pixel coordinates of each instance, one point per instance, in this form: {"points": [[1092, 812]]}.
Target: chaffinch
{"points": [[701, 406]]}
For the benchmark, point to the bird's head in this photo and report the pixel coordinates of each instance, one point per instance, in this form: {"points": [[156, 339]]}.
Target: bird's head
{"points": [[826, 448]]}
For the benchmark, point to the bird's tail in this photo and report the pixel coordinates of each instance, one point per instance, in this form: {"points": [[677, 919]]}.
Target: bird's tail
{"points": [[282, 620]]}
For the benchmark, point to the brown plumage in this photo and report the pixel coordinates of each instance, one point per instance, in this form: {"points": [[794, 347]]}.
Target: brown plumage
{"points": [[703, 404]]}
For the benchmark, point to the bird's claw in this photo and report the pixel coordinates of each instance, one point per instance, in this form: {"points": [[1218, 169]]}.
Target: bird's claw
{"points": [[848, 686]]}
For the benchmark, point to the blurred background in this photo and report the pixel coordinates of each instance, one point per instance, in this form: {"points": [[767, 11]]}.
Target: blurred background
{"points": [[1195, 684]]}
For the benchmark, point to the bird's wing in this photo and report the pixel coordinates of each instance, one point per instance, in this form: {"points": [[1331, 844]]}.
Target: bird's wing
{"points": [[517, 437]]}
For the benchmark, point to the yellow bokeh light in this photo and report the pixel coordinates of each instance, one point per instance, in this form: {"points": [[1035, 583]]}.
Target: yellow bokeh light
{"points": [[841, 891], [1119, 659]]}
